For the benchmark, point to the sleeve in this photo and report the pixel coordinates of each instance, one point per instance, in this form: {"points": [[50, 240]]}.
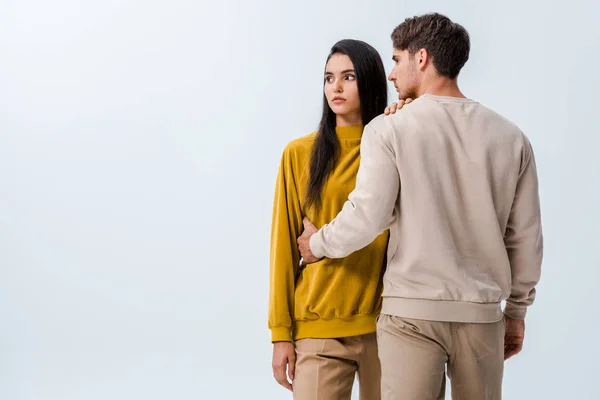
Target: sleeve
{"points": [[370, 207], [284, 255], [523, 238]]}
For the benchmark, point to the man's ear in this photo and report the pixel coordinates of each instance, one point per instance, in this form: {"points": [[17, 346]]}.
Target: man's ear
{"points": [[422, 58]]}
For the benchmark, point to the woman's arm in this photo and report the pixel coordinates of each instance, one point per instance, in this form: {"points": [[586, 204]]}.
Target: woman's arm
{"points": [[284, 257]]}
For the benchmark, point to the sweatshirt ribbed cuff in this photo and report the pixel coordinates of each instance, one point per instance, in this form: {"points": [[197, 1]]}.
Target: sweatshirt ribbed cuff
{"points": [[514, 311], [281, 334], [316, 245]]}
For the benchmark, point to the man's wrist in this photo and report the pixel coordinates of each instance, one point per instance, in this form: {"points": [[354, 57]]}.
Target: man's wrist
{"points": [[316, 245], [515, 312]]}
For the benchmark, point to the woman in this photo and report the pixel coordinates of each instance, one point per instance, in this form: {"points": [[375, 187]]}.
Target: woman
{"points": [[322, 317]]}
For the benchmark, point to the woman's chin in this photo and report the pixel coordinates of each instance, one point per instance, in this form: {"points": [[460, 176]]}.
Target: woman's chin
{"points": [[339, 109]]}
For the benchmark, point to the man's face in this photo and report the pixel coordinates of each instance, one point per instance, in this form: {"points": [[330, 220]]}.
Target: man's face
{"points": [[405, 75]]}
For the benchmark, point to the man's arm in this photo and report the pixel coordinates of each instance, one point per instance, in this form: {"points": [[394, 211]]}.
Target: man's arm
{"points": [[369, 209], [523, 238]]}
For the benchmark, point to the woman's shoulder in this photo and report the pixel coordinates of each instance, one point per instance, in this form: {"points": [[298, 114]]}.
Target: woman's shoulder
{"points": [[301, 144]]}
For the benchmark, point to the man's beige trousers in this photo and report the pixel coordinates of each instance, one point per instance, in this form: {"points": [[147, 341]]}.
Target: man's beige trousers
{"points": [[416, 354]]}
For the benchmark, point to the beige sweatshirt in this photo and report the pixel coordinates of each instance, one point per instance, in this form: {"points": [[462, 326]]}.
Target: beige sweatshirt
{"points": [[457, 186]]}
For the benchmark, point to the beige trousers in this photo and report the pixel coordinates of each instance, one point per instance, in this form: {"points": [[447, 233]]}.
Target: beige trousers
{"points": [[416, 354], [325, 368]]}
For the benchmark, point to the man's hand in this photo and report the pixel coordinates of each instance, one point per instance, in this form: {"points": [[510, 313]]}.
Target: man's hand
{"points": [[304, 242], [391, 109], [513, 337], [284, 355]]}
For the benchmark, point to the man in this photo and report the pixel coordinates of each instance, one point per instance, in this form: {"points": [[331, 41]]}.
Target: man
{"points": [[457, 185]]}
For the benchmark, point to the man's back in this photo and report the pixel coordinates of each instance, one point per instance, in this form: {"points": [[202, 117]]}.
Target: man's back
{"points": [[457, 186], [467, 230]]}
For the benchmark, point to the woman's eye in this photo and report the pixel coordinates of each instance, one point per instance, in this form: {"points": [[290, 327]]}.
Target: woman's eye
{"points": [[350, 77]]}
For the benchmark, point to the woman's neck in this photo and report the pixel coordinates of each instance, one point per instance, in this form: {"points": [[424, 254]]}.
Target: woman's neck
{"points": [[348, 120]]}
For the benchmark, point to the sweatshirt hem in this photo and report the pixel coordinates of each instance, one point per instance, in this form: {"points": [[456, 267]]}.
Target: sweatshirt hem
{"points": [[442, 310], [359, 324]]}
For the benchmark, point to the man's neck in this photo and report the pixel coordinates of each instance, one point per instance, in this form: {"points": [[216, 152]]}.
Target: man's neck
{"points": [[441, 86]]}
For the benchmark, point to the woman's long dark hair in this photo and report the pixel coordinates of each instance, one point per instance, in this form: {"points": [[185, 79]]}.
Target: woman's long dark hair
{"points": [[372, 91]]}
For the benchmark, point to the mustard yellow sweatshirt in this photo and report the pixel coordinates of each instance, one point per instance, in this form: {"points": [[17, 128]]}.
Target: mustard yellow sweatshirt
{"points": [[333, 297]]}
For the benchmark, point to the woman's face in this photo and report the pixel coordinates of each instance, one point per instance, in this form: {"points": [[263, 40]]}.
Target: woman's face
{"points": [[341, 89]]}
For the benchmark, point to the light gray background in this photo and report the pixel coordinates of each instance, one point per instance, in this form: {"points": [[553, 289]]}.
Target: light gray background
{"points": [[139, 143]]}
